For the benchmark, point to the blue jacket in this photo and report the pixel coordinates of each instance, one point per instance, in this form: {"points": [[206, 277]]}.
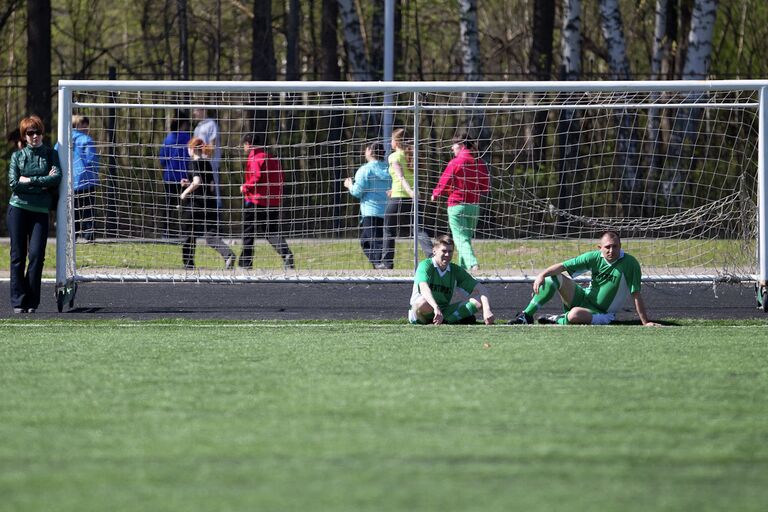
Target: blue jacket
{"points": [[85, 162], [174, 157], [371, 183]]}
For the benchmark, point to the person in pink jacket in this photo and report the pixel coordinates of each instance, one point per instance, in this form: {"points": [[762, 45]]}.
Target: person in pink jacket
{"points": [[464, 181]]}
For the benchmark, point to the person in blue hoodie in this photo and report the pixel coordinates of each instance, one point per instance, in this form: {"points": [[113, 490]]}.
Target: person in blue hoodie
{"points": [[370, 185], [85, 176], [176, 165]]}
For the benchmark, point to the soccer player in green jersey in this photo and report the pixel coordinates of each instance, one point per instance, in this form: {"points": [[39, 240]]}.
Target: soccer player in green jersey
{"points": [[434, 283], [615, 277]]}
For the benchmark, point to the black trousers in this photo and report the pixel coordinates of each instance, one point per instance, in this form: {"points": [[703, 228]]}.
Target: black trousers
{"points": [[264, 221], [28, 232], [372, 238]]}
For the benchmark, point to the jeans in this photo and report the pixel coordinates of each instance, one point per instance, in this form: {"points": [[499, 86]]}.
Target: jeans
{"points": [[28, 232]]}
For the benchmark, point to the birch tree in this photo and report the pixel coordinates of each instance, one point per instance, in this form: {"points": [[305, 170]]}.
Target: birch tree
{"points": [[354, 45], [472, 69], [569, 124], [660, 53], [685, 126], [627, 145]]}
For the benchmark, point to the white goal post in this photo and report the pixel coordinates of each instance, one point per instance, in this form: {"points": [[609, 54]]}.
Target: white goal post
{"points": [[676, 167]]}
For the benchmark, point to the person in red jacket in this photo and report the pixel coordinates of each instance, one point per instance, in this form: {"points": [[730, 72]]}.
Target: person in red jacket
{"points": [[463, 181], [263, 194]]}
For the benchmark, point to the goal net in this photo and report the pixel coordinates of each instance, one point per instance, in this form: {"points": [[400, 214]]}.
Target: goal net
{"points": [[672, 167]]}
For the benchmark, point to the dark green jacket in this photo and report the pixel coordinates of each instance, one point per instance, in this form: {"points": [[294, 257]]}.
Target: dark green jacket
{"points": [[35, 163]]}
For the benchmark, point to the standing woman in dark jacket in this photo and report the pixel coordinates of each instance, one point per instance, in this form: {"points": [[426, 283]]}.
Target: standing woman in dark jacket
{"points": [[33, 175]]}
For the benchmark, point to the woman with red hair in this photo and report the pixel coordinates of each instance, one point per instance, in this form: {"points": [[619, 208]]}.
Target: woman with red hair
{"points": [[198, 202], [34, 175]]}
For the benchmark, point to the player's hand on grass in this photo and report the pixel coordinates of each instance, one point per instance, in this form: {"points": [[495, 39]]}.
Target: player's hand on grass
{"points": [[651, 324], [438, 319], [489, 318]]}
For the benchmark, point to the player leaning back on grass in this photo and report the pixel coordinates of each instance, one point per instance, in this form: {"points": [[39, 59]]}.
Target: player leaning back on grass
{"points": [[615, 276]]}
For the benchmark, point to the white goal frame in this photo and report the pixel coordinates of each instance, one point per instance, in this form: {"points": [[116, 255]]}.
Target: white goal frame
{"points": [[67, 273]]}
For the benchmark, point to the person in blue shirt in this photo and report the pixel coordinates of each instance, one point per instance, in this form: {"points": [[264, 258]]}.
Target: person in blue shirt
{"points": [[370, 185], [176, 164], [85, 176]]}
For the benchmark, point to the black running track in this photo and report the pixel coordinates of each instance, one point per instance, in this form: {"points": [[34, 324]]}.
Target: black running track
{"points": [[333, 301]]}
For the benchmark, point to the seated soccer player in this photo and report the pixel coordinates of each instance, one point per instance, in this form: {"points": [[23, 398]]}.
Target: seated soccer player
{"points": [[615, 276], [434, 283]]}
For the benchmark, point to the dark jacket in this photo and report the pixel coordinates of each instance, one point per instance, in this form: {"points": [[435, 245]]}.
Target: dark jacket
{"points": [[36, 164]]}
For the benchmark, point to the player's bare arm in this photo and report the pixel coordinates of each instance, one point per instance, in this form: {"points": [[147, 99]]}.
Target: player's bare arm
{"points": [[426, 294], [641, 311]]}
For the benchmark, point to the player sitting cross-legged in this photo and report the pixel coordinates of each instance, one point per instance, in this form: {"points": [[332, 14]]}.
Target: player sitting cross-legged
{"points": [[434, 283], [615, 276]]}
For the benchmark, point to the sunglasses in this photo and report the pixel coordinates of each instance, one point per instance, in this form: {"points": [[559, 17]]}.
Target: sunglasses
{"points": [[30, 133]]}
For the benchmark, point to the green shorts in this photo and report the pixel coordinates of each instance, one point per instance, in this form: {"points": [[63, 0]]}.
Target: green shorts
{"points": [[581, 300], [452, 313]]}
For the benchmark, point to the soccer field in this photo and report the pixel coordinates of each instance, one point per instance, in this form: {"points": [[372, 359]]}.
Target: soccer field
{"points": [[180, 415]]}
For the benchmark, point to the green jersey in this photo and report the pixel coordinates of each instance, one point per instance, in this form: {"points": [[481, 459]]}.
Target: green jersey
{"points": [[612, 283], [399, 157], [442, 283]]}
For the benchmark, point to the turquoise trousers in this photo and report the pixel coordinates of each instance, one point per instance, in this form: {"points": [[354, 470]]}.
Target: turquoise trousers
{"points": [[462, 220]]}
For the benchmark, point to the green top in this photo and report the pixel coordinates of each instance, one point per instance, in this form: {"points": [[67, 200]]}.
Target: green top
{"points": [[36, 164], [400, 157], [441, 283], [612, 283]]}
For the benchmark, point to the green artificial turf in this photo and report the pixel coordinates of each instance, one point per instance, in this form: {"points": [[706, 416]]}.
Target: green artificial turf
{"points": [[358, 416]]}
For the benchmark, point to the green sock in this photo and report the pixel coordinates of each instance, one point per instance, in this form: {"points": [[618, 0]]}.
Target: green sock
{"points": [[547, 290], [562, 319], [466, 310]]}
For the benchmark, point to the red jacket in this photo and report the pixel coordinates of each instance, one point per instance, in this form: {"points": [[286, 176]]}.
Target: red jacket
{"points": [[263, 179], [464, 180]]}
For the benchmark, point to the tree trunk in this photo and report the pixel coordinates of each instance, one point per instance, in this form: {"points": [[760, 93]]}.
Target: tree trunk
{"points": [[680, 159], [332, 72], [39, 60], [262, 57], [540, 68], [471, 67], [627, 146], [293, 8], [181, 6], [357, 62], [329, 41], [569, 124], [377, 40], [661, 53]]}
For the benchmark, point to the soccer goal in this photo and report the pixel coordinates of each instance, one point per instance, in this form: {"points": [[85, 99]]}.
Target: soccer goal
{"points": [[677, 168]]}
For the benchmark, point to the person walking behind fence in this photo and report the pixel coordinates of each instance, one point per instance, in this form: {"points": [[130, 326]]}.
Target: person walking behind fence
{"points": [[370, 185], [464, 180], [398, 219], [175, 160], [198, 204], [263, 196]]}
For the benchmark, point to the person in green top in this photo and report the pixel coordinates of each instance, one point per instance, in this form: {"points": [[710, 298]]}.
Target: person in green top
{"points": [[615, 277], [398, 218], [34, 175], [436, 280]]}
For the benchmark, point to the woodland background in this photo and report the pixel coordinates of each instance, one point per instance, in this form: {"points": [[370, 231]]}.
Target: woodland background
{"points": [[44, 41]]}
